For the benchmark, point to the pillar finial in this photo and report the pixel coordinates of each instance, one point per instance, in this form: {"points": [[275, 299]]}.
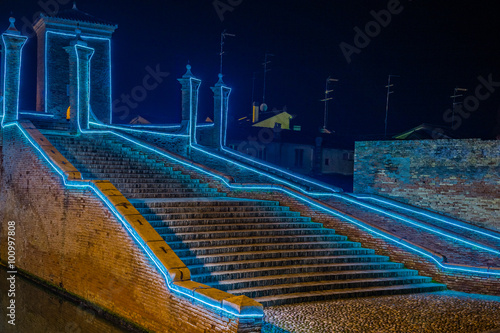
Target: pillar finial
{"points": [[78, 39], [12, 28], [188, 72], [220, 82]]}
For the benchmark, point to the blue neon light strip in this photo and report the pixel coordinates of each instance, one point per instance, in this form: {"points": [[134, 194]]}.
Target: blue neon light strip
{"points": [[87, 102], [432, 217], [292, 185], [343, 197], [18, 74], [152, 126], [37, 114], [315, 204], [136, 130], [409, 221], [192, 127], [131, 231]]}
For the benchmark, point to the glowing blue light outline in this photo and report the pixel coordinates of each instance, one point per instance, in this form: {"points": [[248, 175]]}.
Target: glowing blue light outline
{"points": [[127, 226], [401, 218], [193, 126], [39, 114], [76, 46], [151, 126], [46, 65], [18, 75], [138, 131], [359, 223], [323, 207], [432, 217]]}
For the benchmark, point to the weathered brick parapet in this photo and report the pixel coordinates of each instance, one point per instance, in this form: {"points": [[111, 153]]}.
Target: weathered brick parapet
{"points": [[459, 178], [75, 238]]}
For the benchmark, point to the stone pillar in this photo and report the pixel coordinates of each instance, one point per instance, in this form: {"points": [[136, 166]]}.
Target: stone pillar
{"points": [[189, 87], [13, 43], [79, 83], [221, 102]]}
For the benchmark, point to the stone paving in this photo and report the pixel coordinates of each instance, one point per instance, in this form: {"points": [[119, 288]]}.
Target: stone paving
{"points": [[448, 311]]}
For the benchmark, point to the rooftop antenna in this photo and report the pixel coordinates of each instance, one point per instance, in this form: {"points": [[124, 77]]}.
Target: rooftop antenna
{"points": [[223, 36], [266, 63], [253, 88], [327, 98], [389, 92], [455, 103]]}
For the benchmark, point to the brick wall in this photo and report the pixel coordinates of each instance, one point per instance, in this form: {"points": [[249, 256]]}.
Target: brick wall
{"points": [[459, 178], [69, 239]]}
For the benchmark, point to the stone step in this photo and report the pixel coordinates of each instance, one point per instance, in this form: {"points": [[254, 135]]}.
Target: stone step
{"points": [[184, 226], [162, 185], [144, 179], [216, 270], [236, 241], [271, 285], [173, 195], [216, 202], [105, 167], [248, 233], [172, 228], [211, 209], [157, 223], [225, 249], [133, 172], [181, 188], [257, 255], [138, 177], [257, 269], [286, 262], [226, 215], [322, 295]]}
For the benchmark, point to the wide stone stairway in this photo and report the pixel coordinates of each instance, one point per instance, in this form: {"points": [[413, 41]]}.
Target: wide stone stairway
{"points": [[251, 247]]}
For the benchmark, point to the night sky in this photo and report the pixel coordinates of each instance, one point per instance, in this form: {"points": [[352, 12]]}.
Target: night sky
{"points": [[434, 46]]}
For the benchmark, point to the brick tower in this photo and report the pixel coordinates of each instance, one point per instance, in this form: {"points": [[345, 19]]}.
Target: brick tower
{"points": [[56, 32]]}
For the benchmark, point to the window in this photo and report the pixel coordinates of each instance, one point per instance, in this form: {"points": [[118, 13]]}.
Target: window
{"points": [[348, 156], [263, 154], [299, 158], [327, 161]]}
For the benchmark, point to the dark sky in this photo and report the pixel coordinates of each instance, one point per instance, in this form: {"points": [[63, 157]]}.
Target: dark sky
{"points": [[434, 46]]}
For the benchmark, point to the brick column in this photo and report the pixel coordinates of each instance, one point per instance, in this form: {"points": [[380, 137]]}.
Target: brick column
{"points": [[189, 87], [79, 83], [221, 102], [13, 43]]}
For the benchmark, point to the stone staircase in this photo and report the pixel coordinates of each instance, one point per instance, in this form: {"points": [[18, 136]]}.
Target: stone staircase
{"points": [[246, 247]]}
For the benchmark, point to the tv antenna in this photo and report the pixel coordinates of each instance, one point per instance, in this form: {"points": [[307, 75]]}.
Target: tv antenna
{"points": [[389, 92], [265, 64], [223, 36], [455, 103], [327, 98]]}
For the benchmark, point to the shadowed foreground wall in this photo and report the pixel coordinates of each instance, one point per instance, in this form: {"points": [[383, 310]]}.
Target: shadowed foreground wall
{"points": [[68, 238], [460, 178]]}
